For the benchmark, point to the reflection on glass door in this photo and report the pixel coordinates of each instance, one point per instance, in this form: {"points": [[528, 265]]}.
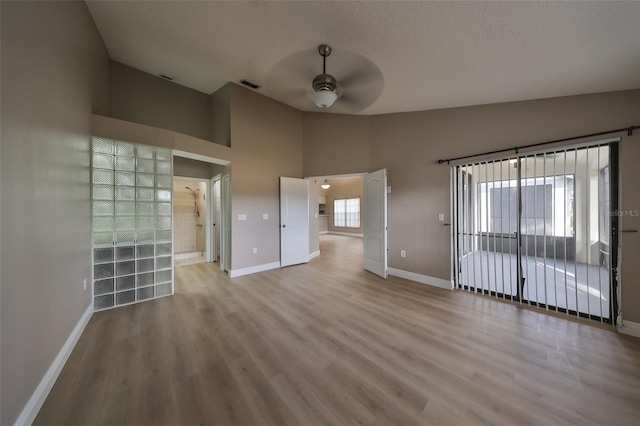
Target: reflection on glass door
{"points": [[535, 229]]}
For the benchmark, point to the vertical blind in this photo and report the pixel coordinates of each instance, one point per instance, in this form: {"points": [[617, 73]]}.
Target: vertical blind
{"points": [[537, 229]]}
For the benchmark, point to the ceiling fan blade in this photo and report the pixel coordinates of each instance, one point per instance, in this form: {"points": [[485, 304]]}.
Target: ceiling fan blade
{"points": [[288, 80]]}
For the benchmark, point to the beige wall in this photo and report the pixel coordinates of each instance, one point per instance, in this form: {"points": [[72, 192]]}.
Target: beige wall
{"points": [[409, 145], [336, 144], [344, 188], [221, 115], [55, 72], [144, 98], [266, 144], [187, 167]]}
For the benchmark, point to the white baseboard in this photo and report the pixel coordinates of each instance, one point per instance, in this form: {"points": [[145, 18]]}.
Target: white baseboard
{"points": [[30, 411], [253, 269], [630, 328], [423, 279], [324, 232], [348, 234], [314, 254]]}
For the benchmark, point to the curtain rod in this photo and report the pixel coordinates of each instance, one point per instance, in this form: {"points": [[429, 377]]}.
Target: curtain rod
{"points": [[629, 131]]}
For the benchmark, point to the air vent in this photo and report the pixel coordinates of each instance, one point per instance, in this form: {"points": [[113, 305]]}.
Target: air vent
{"points": [[250, 84], [166, 77]]}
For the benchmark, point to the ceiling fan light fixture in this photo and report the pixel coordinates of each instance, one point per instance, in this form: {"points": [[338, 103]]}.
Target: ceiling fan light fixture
{"points": [[324, 98]]}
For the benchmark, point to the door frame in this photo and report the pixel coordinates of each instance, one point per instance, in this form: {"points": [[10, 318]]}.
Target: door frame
{"points": [[212, 243], [351, 175], [225, 216], [207, 202], [225, 208]]}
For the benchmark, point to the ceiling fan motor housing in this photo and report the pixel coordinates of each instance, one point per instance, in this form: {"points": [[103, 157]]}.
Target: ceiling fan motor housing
{"points": [[324, 82]]}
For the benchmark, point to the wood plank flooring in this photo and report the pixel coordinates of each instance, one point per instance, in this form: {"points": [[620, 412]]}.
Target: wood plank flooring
{"points": [[328, 343]]}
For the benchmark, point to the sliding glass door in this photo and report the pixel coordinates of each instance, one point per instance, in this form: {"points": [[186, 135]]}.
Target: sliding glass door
{"points": [[536, 228]]}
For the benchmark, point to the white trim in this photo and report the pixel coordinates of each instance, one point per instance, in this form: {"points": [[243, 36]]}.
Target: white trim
{"points": [[193, 179], [423, 279], [314, 254], [253, 269], [344, 176], [630, 328], [30, 411], [324, 232], [348, 234], [200, 157]]}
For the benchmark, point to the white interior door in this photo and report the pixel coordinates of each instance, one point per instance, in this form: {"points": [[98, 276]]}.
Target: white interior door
{"points": [[213, 221], [225, 252], [294, 221], [217, 219], [375, 222]]}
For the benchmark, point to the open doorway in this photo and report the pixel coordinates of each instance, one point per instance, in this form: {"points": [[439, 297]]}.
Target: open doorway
{"points": [[201, 209], [190, 220], [340, 206], [355, 206]]}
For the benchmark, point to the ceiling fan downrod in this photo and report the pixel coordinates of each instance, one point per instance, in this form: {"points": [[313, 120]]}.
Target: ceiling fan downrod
{"points": [[324, 85]]}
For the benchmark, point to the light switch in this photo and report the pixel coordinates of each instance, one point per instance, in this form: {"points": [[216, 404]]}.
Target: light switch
{"points": [[388, 190], [441, 217], [265, 216], [242, 217]]}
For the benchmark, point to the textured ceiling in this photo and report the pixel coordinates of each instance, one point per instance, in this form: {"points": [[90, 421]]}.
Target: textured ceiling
{"points": [[428, 55]]}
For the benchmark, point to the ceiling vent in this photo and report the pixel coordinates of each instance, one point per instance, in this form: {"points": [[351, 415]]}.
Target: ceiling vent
{"points": [[166, 77], [250, 84]]}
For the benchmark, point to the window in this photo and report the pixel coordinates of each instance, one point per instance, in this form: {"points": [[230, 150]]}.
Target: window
{"points": [[547, 206], [346, 213]]}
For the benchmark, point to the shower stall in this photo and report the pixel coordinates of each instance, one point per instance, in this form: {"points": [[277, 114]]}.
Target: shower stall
{"points": [[190, 214]]}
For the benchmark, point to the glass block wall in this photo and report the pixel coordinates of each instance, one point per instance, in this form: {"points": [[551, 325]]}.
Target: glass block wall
{"points": [[132, 235]]}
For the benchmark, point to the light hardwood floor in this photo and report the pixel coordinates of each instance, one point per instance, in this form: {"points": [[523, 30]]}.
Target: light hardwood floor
{"points": [[328, 343]]}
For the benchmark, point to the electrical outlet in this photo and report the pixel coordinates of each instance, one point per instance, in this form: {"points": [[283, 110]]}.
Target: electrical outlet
{"points": [[255, 250], [84, 284], [403, 253]]}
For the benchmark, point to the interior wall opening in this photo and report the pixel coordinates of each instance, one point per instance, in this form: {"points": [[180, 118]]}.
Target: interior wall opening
{"points": [[190, 212], [202, 229]]}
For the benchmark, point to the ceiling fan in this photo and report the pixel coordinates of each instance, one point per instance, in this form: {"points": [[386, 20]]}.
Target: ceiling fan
{"points": [[354, 84]]}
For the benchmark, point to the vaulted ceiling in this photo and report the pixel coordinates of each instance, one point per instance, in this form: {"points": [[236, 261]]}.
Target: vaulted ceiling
{"points": [[389, 56]]}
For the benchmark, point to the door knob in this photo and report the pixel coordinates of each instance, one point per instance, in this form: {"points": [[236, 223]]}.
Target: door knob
{"points": [[284, 226]]}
